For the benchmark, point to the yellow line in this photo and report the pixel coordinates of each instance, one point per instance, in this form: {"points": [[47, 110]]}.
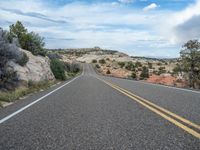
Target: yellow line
{"points": [[185, 128], [163, 109]]}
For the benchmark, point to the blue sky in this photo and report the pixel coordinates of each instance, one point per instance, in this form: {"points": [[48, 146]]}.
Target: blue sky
{"points": [[154, 28]]}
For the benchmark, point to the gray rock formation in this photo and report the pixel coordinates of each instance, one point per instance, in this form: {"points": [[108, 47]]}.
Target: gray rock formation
{"points": [[37, 68]]}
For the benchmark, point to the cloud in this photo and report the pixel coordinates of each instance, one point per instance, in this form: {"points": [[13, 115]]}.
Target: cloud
{"points": [[32, 14], [188, 30], [104, 24], [186, 23], [150, 7]]}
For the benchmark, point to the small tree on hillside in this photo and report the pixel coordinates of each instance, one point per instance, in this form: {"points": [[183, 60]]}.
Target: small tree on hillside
{"points": [[133, 75], [130, 66], [32, 42], [121, 64], [138, 64], [178, 69], [18, 31], [161, 70], [145, 73], [150, 65], [190, 58]]}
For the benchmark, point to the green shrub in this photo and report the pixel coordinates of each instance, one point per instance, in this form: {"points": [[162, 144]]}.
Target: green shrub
{"points": [[102, 61], [130, 66], [97, 66], [32, 41], [72, 67], [150, 65], [54, 55], [121, 64], [145, 73], [159, 64], [133, 75], [58, 69], [138, 64], [94, 61], [161, 70]]}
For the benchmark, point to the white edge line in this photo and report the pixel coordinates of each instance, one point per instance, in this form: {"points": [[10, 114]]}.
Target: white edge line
{"points": [[34, 102], [170, 87]]}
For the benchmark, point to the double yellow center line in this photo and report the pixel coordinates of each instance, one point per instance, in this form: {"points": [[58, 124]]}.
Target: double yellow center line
{"points": [[179, 121]]}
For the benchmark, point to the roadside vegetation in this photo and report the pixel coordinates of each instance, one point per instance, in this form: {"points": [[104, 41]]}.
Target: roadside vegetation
{"points": [[189, 63], [11, 88], [30, 41], [58, 69], [182, 72], [9, 51], [10, 96], [102, 61], [94, 61]]}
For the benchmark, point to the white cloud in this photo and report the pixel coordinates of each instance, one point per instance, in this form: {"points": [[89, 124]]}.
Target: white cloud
{"points": [[150, 7], [101, 24], [183, 25]]}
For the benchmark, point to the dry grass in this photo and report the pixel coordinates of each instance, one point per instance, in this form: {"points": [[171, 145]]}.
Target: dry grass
{"points": [[11, 96]]}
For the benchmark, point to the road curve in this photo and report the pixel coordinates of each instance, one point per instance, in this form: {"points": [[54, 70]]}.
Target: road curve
{"points": [[86, 113]]}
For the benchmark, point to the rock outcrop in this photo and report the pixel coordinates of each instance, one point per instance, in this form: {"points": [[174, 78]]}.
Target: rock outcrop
{"points": [[37, 68]]}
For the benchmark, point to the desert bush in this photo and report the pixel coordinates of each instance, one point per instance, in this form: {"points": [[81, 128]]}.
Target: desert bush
{"points": [[150, 65], [159, 64], [130, 66], [97, 66], [108, 72], [138, 64], [94, 61], [145, 73], [53, 55], [72, 67], [102, 61], [161, 70], [121, 64], [133, 75], [58, 69]]}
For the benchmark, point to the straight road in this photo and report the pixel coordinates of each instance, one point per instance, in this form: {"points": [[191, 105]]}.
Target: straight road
{"points": [[98, 112]]}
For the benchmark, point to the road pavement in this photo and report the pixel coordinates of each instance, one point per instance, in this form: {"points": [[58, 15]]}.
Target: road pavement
{"points": [[98, 112]]}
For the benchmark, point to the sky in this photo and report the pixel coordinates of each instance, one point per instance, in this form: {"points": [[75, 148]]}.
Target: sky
{"points": [[151, 28]]}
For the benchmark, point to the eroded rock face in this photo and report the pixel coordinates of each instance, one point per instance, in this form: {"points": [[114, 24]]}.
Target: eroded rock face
{"points": [[37, 68]]}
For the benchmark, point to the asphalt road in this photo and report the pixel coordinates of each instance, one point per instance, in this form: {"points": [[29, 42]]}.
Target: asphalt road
{"points": [[90, 112]]}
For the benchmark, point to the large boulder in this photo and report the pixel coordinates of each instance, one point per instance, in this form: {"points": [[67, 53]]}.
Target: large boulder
{"points": [[36, 69]]}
